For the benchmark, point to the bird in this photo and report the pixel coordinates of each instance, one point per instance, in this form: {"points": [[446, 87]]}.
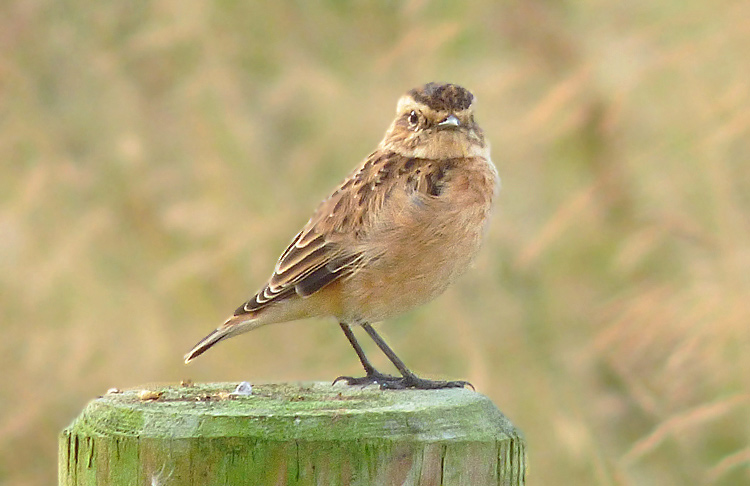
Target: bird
{"points": [[392, 236]]}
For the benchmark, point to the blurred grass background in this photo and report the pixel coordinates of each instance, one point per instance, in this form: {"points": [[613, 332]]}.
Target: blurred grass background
{"points": [[157, 156]]}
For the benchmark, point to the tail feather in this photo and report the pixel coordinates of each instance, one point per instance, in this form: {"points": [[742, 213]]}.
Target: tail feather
{"points": [[237, 324], [208, 341], [247, 321]]}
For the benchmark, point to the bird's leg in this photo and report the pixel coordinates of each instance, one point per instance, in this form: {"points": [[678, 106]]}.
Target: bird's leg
{"points": [[372, 375], [408, 379]]}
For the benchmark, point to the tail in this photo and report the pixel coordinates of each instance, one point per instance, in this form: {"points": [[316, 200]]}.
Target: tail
{"points": [[234, 325], [246, 320]]}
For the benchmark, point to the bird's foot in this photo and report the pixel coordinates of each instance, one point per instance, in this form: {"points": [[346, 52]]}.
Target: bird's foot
{"points": [[390, 382]]}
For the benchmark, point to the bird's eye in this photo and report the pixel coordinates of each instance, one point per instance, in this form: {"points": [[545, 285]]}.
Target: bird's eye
{"points": [[413, 118]]}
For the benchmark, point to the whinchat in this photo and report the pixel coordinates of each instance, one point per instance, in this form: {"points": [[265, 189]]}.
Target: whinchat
{"points": [[392, 236]]}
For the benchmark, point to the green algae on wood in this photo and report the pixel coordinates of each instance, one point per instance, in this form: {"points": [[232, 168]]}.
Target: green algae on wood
{"points": [[291, 434]]}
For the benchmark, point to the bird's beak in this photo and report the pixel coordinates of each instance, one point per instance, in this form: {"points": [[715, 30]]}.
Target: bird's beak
{"points": [[449, 122]]}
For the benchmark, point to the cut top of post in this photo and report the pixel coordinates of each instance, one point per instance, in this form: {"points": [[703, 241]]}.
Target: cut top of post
{"points": [[297, 411]]}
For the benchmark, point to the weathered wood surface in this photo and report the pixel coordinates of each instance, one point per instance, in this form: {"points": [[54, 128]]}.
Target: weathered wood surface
{"points": [[291, 434]]}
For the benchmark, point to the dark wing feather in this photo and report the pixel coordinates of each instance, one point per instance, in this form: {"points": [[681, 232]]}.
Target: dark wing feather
{"points": [[302, 269], [326, 249], [317, 256], [328, 273]]}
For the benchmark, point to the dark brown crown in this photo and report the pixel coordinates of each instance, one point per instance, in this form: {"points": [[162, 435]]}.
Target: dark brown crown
{"points": [[443, 97]]}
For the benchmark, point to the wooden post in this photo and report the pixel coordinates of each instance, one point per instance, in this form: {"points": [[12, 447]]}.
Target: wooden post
{"points": [[290, 434]]}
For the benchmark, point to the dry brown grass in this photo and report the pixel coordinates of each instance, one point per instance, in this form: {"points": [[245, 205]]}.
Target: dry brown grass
{"points": [[157, 156]]}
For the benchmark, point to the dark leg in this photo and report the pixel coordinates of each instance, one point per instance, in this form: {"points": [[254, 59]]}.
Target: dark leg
{"points": [[408, 379], [372, 375]]}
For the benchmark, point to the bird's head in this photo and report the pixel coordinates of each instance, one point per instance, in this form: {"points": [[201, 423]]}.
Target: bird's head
{"points": [[435, 121]]}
